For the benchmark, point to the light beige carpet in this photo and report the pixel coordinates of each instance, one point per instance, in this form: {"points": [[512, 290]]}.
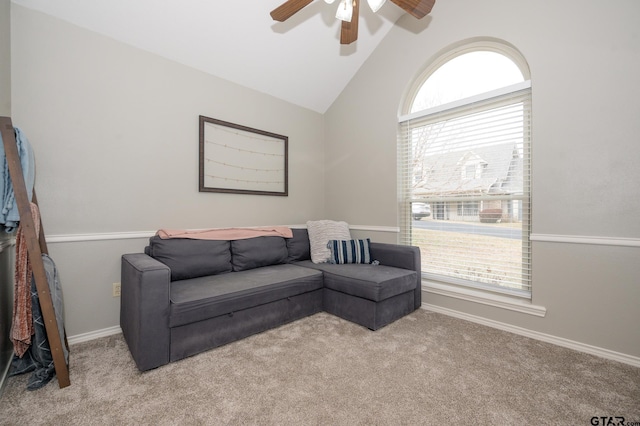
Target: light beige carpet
{"points": [[426, 369]]}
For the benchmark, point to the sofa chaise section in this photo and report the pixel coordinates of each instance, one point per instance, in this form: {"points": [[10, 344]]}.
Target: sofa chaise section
{"points": [[373, 295]]}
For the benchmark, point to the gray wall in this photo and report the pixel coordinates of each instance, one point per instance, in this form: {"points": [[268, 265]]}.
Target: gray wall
{"points": [[115, 134], [5, 58], [585, 61], [6, 249]]}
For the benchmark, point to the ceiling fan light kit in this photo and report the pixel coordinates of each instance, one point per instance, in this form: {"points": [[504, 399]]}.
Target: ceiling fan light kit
{"points": [[345, 10], [375, 5], [348, 11]]}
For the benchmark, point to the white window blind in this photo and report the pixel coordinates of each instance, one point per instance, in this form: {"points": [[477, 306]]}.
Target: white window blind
{"points": [[471, 162]]}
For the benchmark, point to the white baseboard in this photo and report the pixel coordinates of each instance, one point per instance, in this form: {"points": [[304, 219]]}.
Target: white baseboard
{"points": [[559, 341], [85, 337]]}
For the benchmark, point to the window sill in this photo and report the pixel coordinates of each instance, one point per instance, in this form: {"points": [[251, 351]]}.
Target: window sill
{"points": [[503, 302]]}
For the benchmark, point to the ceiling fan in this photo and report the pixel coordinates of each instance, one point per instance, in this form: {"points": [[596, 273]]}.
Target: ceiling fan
{"points": [[348, 11]]}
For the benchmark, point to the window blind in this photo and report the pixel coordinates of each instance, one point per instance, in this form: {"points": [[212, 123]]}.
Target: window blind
{"points": [[470, 161]]}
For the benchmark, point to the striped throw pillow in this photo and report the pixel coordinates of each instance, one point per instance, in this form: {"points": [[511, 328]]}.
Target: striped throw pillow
{"points": [[349, 251]]}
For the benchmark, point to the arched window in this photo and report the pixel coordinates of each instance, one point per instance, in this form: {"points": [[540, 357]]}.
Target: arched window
{"points": [[464, 169]]}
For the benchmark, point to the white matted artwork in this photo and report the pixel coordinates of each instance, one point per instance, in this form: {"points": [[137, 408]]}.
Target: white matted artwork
{"points": [[239, 159]]}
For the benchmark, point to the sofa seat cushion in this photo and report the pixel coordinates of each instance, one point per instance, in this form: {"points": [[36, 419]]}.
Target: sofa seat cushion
{"points": [[202, 298], [372, 282]]}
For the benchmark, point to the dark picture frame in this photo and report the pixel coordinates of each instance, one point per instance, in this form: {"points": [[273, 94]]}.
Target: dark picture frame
{"points": [[241, 160]]}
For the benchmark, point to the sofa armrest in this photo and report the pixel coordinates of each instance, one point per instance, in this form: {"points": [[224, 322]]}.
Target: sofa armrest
{"points": [[144, 309], [406, 257]]}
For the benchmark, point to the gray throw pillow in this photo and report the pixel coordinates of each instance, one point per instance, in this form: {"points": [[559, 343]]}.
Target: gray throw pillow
{"points": [[320, 232]]}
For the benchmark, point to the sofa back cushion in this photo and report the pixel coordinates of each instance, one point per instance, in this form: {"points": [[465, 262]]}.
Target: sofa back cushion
{"points": [[255, 252], [189, 258], [298, 246]]}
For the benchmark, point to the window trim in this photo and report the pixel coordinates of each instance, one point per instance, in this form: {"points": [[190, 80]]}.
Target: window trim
{"points": [[524, 85], [501, 301], [458, 49], [449, 288]]}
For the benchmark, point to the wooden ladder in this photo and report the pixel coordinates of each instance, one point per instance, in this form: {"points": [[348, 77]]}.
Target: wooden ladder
{"points": [[36, 245]]}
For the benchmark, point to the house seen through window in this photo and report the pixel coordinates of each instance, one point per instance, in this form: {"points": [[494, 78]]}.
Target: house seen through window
{"points": [[464, 170]]}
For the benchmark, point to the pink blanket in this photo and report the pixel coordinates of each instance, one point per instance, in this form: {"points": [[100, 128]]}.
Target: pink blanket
{"points": [[227, 233]]}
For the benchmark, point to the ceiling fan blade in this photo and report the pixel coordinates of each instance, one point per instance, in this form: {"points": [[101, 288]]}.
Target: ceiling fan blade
{"points": [[287, 9], [349, 30], [417, 8]]}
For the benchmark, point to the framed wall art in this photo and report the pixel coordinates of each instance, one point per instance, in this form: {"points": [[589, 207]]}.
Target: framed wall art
{"points": [[241, 160]]}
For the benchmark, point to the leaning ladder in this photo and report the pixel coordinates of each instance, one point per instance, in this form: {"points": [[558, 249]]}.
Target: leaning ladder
{"points": [[36, 245]]}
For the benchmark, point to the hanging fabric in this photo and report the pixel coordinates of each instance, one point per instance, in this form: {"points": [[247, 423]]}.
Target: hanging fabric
{"points": [[9, 215], [38, 358], [22, 325]]}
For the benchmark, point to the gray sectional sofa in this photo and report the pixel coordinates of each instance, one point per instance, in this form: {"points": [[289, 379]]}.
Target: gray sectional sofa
{"points": [[185, 296]]}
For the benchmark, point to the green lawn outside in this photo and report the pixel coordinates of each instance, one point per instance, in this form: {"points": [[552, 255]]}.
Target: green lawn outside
{"points": [[489, 260]]}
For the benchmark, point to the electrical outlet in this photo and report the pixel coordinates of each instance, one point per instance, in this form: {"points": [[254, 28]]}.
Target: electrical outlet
{"points": [[116, 289]]}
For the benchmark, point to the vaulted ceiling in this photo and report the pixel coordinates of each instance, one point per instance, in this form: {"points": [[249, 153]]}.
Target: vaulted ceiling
{"points": [[300, 61]]}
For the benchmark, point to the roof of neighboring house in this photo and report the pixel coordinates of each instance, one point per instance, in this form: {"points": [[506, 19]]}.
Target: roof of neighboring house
{"points": [[494, 169]]}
